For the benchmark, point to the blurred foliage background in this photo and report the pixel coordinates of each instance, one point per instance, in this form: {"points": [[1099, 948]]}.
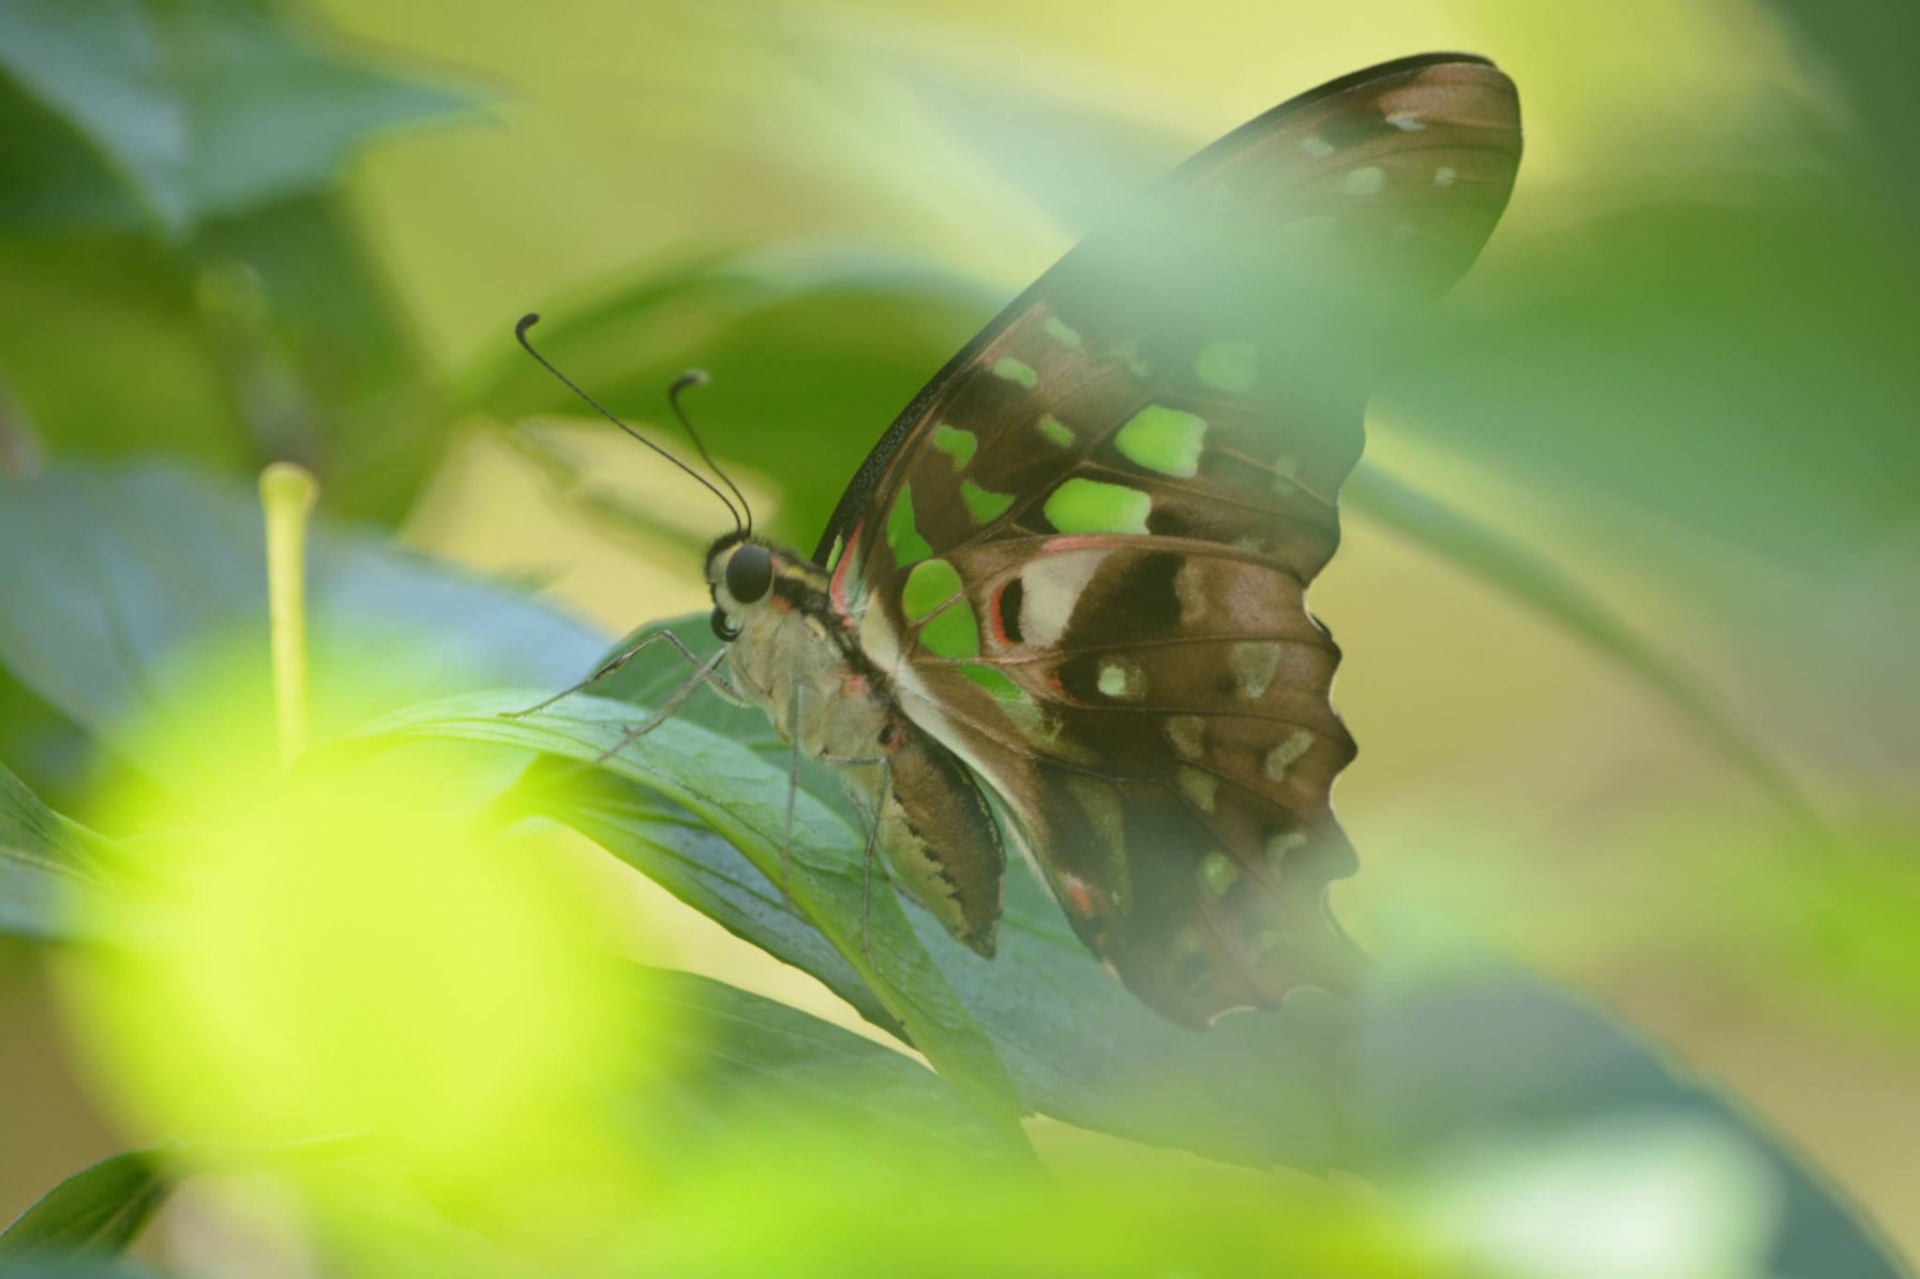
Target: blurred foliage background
{"points": [[1630, 581]]}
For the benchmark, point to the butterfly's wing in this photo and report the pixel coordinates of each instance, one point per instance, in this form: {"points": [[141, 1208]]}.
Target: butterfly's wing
{"points": [[1082, 552]]}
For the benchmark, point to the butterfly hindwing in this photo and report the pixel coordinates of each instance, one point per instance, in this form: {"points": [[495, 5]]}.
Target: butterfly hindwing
{"points": [[1082, 552]]}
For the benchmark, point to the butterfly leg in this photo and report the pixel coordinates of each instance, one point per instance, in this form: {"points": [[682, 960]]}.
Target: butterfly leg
{"points": [[866, 875], [703, 675], [793, 795], [712, 677]]}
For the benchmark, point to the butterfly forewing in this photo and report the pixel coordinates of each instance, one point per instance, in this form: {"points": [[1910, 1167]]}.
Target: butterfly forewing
{"points": [[1082, 553]]}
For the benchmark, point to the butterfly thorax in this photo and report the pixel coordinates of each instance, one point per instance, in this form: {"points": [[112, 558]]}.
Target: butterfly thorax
{"points": [[795, 654], [795, 658]]}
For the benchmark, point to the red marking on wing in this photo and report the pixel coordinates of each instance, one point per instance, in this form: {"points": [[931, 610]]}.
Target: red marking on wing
{"points": [[843, 571], [996, 614], [1079, 895]]}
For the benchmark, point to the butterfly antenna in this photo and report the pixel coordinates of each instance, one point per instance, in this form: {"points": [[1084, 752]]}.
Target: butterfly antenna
{"points": [[532, 318], [692, 378]]}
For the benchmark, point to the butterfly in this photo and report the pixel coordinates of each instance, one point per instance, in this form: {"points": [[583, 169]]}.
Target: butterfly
{"points": [[1061, 606]]}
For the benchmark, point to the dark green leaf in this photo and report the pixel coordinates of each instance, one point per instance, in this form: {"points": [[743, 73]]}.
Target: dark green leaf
{"points": [[740, 797], [94, 1213], [745, 1057], [116, 579], [202, 107], [681, 854]]}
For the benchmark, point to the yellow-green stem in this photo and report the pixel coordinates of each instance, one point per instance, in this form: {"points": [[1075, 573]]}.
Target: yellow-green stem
{"points": [[287, 492]]}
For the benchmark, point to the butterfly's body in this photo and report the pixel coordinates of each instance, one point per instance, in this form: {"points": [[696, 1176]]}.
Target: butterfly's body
{"points": [[1063, 603], [800, 659]]}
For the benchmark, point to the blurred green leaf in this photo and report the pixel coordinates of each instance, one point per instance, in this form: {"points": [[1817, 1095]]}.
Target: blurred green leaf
{"points": [[1866, 49], [95, 1213], [118, 579], [813, 352], [682, 854], [202, 107], [1738, 361], [734, 793], [268, 336], [748, 1060], [1451, 1059], [40, 856], [1530, 578]]}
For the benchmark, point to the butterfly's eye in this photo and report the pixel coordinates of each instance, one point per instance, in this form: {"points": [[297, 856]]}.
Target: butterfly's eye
{"points": [[749, 573], [723, 628]]}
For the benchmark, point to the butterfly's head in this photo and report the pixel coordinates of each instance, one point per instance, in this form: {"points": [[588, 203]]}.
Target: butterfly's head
{"points": [[740, 573]]}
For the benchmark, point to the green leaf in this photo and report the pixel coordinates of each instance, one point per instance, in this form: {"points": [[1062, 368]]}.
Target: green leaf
{"points": [[115, 580], [41, 857], [680, 853], [201, 107], [97, 1212], [1535, 581], [737, 795], [746, 1057]]}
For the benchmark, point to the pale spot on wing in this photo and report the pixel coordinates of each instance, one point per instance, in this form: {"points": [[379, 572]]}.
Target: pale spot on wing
{"points": [[1278, 846], [1199, 787], [1050, 587], [1407, 122], [1188, 733], [1191, 585], [1282, 757], [1122, 681], [1218, 874], [1253, 664], [1317, 147], [1371, 180], [1444, 176]]}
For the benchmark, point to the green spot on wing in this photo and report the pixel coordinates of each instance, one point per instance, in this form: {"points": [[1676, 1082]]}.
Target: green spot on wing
{"points": [[1092, 506], [952, 632], [1217, 874], [930, 584], [957, 444], [1164, 440], [1017, 371], [1229, 365], [995, 681], [1060, 331], [985, 505], [1054, 430], [839, 549], [903, 533]]}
